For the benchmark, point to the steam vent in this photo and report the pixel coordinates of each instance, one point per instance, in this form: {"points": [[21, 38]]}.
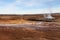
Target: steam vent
{"points": [[49, 17]]}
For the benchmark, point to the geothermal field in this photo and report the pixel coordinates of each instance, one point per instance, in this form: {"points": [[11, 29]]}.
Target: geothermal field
{"points": [[29, 27]]}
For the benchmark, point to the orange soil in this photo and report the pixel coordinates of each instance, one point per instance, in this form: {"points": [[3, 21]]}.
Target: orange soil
{"points": [[12, 33]]}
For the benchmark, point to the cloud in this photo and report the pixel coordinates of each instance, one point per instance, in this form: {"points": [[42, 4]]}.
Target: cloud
{"points": [[32, 4], [7, 8], [36, 6], [27, 3], [28, 6]]}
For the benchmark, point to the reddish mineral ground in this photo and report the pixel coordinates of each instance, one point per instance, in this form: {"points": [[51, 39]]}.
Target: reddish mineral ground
{"points": [[17, 27]]}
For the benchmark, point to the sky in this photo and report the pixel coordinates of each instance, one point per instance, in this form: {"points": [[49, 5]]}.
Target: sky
{"points": [[29, 6]]}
